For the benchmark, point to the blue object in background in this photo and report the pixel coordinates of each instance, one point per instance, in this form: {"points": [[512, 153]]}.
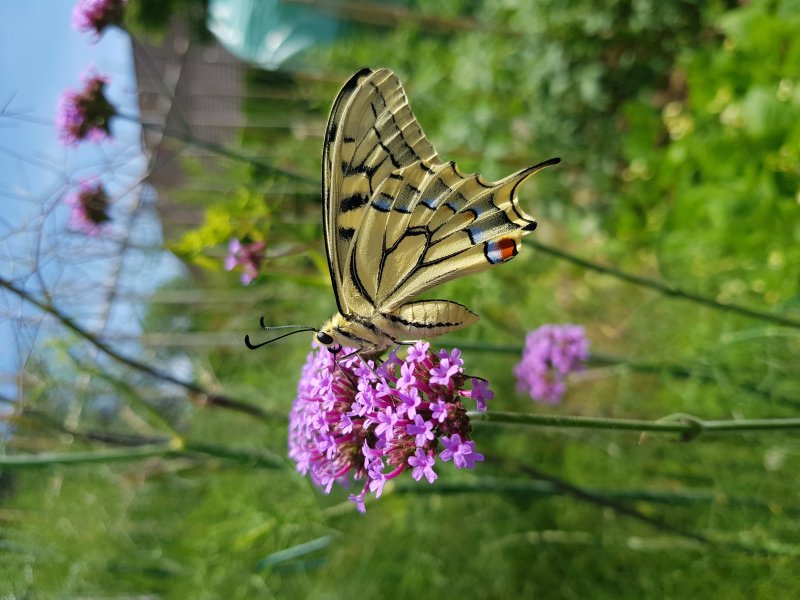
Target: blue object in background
{"points": [[270, 32]]}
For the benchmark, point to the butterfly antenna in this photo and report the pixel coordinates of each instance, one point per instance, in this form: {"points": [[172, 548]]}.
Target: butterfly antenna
{"points": [[297, 329]]}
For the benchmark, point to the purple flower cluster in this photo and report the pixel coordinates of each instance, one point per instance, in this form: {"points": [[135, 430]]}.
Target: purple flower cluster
{"points": [[95, 15], [85, 114], [353, 421], [551, 353], [250, 256], [89, 204]]}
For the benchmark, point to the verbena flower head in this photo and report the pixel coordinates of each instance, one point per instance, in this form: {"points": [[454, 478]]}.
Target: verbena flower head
{"points": [[355, 421], [89, 204], [250, 256], [551, 353], [95, 15], [85, 114]]}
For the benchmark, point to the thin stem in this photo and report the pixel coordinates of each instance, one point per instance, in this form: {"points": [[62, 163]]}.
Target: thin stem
{"points": [[262, 458], [673, 370], [539, 487], [114, 439], [687, 425], [618, 507], [172, 448], [189, 138], [201, 396], [46, 459], [666, 288], [623, 509], [125, 390]]}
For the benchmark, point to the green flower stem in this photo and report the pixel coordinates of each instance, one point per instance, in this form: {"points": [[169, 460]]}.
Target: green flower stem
{"points": [[704, 374], [196, 392], [187, 138], [172, 448], [262, 458], [665, 288], [492, 485], [598, 359], [294, 552], [127, 391], [47, 459], [687, 425], [673, 370]]}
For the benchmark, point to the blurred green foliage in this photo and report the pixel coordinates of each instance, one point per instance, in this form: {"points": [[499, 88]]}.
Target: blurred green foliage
{"points": [[152, 18], [678, 126], [713, 171]]}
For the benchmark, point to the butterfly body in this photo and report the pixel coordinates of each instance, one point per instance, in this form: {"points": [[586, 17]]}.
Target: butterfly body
{"points": [[399, 221]]}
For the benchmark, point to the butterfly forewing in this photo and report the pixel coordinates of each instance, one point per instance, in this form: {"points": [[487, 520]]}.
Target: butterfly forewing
{"points": [[371, 133], [398, 221]]}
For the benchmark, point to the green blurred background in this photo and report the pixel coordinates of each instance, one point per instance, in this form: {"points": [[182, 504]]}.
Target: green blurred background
{"points": [[678, 126]]}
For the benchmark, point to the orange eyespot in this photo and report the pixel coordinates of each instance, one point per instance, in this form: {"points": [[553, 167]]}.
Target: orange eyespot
{"points": [[501, 250], [507, 248]]}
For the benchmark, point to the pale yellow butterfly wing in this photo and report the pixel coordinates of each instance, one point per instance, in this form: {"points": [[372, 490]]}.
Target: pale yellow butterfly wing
{"points": [[429, 224], [371, 133], [398, 221]]}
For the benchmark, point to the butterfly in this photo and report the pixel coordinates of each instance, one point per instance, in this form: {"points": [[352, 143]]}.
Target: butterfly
{"points": [[398, 220]]}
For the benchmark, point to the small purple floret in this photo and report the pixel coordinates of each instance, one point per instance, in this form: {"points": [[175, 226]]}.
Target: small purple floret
{"points": [[421, 429], [450, 364], [462, 452], [423, 466]]}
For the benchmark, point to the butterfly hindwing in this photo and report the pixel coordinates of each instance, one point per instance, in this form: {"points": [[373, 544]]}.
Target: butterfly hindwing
{"points": [[427, 318], [430, 224]]}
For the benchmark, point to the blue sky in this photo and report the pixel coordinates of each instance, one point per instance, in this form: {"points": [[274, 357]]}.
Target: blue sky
{"points": [[40, 57]]}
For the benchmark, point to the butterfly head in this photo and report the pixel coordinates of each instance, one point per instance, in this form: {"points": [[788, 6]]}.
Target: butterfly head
{"points": [[327, 340], [333, 334]]}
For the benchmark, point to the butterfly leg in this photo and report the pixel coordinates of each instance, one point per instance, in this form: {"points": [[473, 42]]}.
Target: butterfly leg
{"points": [[345, 373], [364, 360]]}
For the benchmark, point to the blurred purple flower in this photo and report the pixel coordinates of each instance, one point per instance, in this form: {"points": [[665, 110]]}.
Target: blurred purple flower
{"points": [[551, 353], [95, 15], [352, 421], [89, 204], [250, 256], [86, 114]]}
